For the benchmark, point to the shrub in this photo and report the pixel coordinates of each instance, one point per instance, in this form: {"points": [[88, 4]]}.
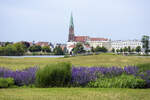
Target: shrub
{"points": [[54, 75], [123, 81], [6, 82]]}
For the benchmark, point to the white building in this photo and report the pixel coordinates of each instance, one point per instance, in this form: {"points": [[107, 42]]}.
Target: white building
{"points": [[100, 43], [118, 44]]}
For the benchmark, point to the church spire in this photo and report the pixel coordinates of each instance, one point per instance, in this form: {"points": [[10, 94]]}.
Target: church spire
{"points": [[71, 21], [71, 30]]}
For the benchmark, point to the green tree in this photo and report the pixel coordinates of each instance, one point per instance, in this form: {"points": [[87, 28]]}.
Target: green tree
{"points": [[20, 48], [46, 49], [26, 45], [145, 41], [58, 51], [7, 43], [117, 50], [103, 49], [92, 49], [79, 48], [2, 51], [10, 50], [35, 48], [125, 49], [121, 50], [100, 49], [138, 49], [129, 49], [113, 50]]}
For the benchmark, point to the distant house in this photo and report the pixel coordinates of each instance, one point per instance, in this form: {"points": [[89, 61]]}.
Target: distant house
{"points": [[42, 44]]}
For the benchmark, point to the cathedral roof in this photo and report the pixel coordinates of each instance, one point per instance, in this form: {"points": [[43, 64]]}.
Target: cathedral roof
{"points": [[81, 38], [98, 39]]}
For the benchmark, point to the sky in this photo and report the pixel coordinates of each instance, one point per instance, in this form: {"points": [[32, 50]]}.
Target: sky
{"points": [[48, 20]]}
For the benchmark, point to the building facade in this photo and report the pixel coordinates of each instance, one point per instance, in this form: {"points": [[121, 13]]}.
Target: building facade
{"points": [[118, 44]]}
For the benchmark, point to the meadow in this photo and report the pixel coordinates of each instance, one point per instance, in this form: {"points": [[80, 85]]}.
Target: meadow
{"points": [[108, 60], [74, 94], [105, 60]]}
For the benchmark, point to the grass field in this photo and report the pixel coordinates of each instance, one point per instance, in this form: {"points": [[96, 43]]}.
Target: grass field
{"points": [[73, 94], [93, 60]]}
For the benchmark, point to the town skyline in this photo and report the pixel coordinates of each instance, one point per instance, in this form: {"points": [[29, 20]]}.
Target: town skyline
{"points": [[21, 22]]}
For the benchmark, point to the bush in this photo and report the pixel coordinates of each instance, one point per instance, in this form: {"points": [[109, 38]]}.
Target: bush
{"points": [[54, 75], [123, 81], [6, 82]]}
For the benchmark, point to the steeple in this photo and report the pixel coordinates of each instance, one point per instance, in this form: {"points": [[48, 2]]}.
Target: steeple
{"points": [[71, 22], [71, 30]]}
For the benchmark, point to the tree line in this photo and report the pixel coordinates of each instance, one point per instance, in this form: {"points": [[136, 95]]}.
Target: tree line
{"points": [[128, 49], [79, 48], [19, 49]]}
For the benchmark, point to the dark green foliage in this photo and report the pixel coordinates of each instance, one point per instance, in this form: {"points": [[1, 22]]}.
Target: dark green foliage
{"points": [[26, 44], [58, 51], [117, 50], [129, 49], [100, 49], [54, 75], [16, 49], [145, 41], [6, 82], [46, 49], [78, 48], [35, 48], [9, 50], [125, 49], [121, 50], [92, 49], [113, 50], [123, 81], [20, 48], [138, 49]]}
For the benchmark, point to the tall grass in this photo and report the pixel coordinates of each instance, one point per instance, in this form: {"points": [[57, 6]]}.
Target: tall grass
{"points": [[144, 67]]}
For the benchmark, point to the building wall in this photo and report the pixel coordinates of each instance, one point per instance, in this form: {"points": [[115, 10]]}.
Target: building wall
{"points": [[106, 44], [121, 44]]}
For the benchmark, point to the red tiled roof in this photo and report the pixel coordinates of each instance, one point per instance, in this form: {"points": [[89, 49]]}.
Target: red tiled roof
{"points": [[81, 38], [98, 39], [42, 43]]}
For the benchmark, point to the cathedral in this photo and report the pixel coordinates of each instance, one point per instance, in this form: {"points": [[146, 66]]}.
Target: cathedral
{"points": [[93, 42]]}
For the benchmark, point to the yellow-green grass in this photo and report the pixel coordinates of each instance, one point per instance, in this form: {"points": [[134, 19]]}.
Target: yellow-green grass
{"points": [[74, 94], [92, 60]]}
